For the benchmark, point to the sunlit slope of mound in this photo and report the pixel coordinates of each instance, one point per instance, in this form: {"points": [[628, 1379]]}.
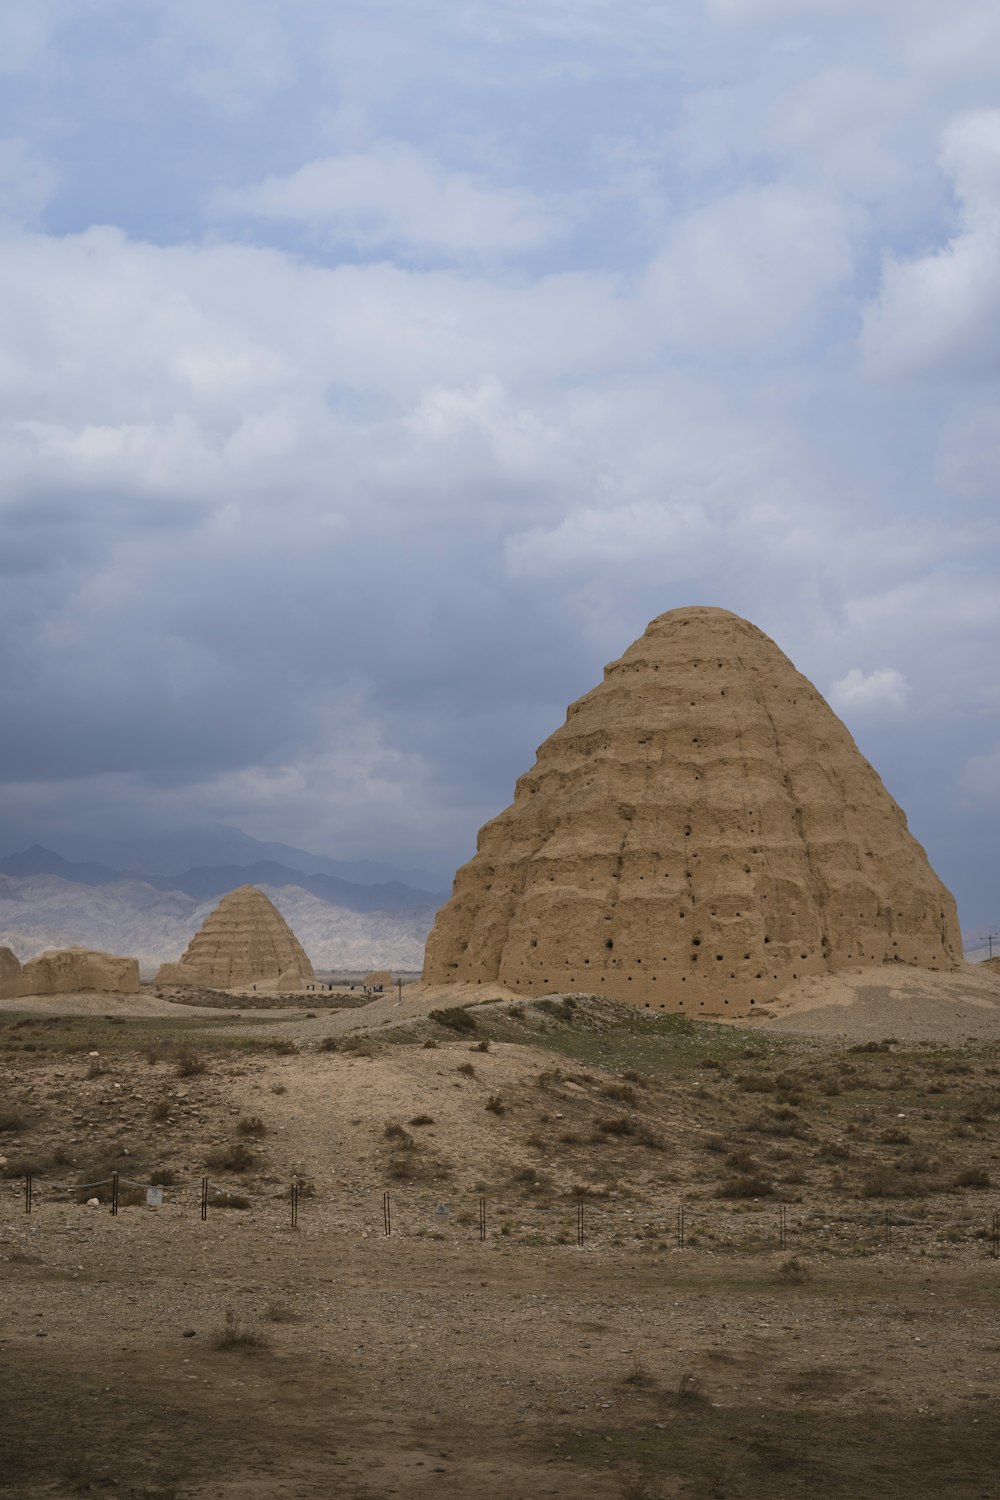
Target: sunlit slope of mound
{"points": [[701, 832]]}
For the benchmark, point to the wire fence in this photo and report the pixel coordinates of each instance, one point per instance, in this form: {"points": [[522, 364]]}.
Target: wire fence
{"points": [[701, 1225]]}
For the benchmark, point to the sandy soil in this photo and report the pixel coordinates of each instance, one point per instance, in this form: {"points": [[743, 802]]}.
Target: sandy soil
{"points": [[428, 1363]]}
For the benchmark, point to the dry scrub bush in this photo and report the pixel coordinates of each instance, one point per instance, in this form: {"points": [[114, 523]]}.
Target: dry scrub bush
{"points": [[456, 1018], [496, 1105], [229, 1200], [12, 1119], [328, 1044], [233, 1158], [189, 1064], [239, 1334], [793, 1272], [467, 1069], [974, 1177], [251, 1125], [751, 1186], [621, 1093], [422, 1120], [358, 1046]]}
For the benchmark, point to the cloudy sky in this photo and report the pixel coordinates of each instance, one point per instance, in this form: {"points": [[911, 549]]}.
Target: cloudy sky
{"points": [[372, 371]]}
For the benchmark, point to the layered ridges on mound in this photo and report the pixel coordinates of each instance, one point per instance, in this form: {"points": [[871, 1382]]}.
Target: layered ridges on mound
{"points": [[244, 941], [700, 831]]}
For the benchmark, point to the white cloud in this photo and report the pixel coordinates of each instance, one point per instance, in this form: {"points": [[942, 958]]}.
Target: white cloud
{"points": [[751, 268], [875, 693], [939, 314], [393, 193]]}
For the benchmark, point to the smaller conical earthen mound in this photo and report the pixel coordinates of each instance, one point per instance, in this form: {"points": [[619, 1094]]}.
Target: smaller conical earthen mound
{"points": [[244, 941]]}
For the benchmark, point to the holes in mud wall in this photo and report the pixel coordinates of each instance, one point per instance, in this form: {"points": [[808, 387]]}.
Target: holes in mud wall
{"points": [[767, 939], [609, 942], [687, 832], [696, 942]]}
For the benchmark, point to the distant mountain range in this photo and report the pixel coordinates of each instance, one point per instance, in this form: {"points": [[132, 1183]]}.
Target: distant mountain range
{"points": [[205, 881], [173, 851], [49, 901]]}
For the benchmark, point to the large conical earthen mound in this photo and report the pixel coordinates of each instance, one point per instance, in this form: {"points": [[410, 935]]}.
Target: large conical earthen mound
{"points": [[245, 940], [701, 831]]}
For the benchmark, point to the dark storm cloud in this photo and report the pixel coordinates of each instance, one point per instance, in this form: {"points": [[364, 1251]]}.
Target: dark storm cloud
{"points": [[370, 378]]}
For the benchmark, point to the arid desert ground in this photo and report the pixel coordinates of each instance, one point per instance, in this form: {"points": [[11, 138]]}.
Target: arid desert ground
{"points": [[821, 1321]]}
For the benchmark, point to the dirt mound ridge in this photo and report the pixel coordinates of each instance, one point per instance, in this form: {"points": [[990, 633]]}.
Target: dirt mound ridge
{"points": [[701, 832], [245, 940]]}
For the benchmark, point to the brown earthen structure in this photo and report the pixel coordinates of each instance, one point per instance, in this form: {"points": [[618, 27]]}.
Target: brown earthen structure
{"points": [[67, 971], [10, 973], [245, 940], [700, 832]]}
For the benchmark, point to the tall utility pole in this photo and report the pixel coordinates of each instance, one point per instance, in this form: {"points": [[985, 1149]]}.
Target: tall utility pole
{"points": [[989, 935]]}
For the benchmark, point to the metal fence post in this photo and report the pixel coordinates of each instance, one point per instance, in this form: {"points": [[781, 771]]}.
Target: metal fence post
{"points": [[996, 1235], [295, 1205], [680, 1227], [386, 1214], [114, 1194], [579, 1223], [782, 1229], [482, 1219], [29, 1188], [204, 1198]]}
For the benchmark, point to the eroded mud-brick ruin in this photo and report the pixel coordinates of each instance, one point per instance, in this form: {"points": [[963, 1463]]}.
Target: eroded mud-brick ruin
{"points": [[700, 832]]}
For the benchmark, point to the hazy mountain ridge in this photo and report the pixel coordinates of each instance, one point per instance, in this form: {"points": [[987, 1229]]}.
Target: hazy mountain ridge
{"points": [[132, 917], [207, 881], [172, 852]]}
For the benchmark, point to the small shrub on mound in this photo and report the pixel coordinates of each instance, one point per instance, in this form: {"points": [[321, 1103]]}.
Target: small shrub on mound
{"points": [[394, 1132], [690, 1391], [237, 1333], [483, 1046], [467, 1069], [430, 1042], [620, 1125], [885, 1182], [358, 1046], [235, 1158], [496, 1105], [621, 1093], [746, 1186], [793, 1272], [189, 1064], [422, 1120], [252, 1125], [163, 1177], [975, 1177], [639, 1377], [456, 1018], [328, 1044], [12, 1119]]}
